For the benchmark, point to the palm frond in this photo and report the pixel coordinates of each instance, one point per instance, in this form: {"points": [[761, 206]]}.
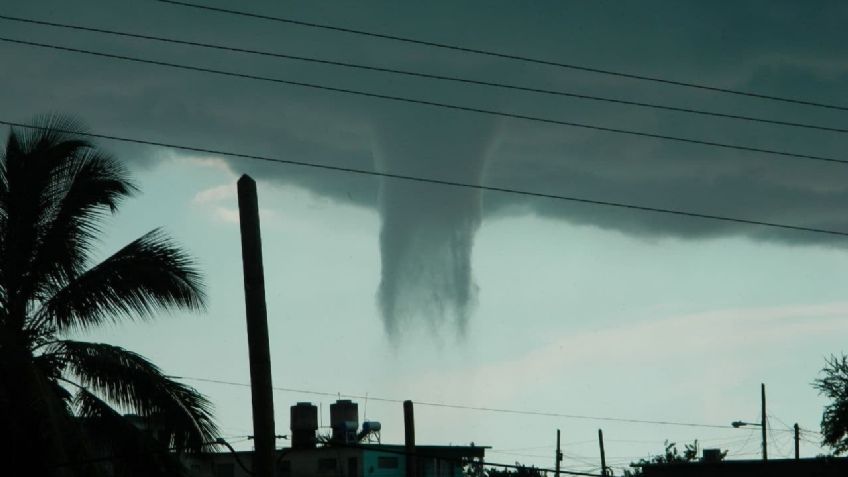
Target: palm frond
{"points": [[83, 192], [128, 380], [130, 451], [29, 165], [54, 189], [149, 275]]}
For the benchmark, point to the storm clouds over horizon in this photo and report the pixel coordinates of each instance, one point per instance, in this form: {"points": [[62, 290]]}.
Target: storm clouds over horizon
{"points": [[427, 236]]}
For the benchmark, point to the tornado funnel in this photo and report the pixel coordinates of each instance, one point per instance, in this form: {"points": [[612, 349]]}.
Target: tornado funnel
{"points": [[427, 233]]}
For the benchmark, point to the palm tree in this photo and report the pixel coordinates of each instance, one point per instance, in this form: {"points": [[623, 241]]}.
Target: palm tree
{"points": [[62, 401]]}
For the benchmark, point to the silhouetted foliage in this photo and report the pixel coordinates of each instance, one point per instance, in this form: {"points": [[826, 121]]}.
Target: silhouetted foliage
{"points": [[520, 471], [61, 399], [670, 455], [834, 385]]}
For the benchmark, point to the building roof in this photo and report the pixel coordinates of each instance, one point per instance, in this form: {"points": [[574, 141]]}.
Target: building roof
{"points": [[452, 452]]}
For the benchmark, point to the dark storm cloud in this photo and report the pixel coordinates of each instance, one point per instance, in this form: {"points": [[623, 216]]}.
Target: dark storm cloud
{"points": [[782, 48]]}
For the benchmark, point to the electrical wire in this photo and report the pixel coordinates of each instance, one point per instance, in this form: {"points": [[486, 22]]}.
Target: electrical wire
{"points": [[520, 454], [780, 450], [436, 104], [745, 444], [792, 428], [442, 182], [508, 56], [466, 407], [425, 75], [545, 446], [575, 443]]}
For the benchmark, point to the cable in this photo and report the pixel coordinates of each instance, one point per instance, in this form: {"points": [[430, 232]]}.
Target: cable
{"points": [[449, 106], [776, 445], [747, 440], [520, 454], [449, 183], [791, 428], [510, 56], [426, 75], [545, 446], [465, 407]]}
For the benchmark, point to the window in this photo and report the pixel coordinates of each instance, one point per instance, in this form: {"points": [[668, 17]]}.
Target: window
{"points": [[387, 462], [326, 465]]}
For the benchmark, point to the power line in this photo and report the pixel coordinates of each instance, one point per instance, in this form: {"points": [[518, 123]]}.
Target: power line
{"points": [[427, 75], [774, 441], [436, 104], [466, 407], [442, 182], [509, 56], [520, 454], [789, 428]]}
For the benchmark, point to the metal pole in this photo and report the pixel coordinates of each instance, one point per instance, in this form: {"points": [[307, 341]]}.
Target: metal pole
{"points": [[558, 458], [257, 329], [797, 442], [603, 454], [763, 420], [409, 439]]}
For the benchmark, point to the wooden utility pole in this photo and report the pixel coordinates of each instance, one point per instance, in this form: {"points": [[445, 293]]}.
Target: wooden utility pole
{"points": [[558, 458], [257, 329], [797, 441], [409, 439], [763, 421], [603, 454]]}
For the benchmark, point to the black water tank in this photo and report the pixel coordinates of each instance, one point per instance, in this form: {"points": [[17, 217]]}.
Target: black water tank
{"points": [[304, 424], [344, 419]]}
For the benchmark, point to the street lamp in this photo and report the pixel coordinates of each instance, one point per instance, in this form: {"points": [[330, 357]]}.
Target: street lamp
{"points": [[738, 424], [762, 423]]}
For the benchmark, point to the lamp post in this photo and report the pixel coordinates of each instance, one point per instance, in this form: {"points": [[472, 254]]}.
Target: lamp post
{"points": [[738, 424], [762, 423]]}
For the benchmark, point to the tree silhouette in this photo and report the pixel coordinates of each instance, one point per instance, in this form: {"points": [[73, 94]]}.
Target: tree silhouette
{"points": [[517, 471], [62, 400], [669, 456], [834, 385]]}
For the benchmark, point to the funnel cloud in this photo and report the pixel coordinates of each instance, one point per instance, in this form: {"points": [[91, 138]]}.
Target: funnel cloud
{"points": [[427, 233]]}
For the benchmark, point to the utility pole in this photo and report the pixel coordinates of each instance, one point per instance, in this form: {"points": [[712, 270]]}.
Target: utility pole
{"points": [[603, 454], [257, 329], [763, 421], [797, 442], [409, 439], [558, 457]]}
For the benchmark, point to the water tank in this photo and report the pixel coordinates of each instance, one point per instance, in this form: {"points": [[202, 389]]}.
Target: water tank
{"points": [[304, 424], [712, 455], [371, 426], [344, 419]]}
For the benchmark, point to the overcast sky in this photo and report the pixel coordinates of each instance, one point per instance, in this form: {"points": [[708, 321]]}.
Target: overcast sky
{"points": [[441, 294]]}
